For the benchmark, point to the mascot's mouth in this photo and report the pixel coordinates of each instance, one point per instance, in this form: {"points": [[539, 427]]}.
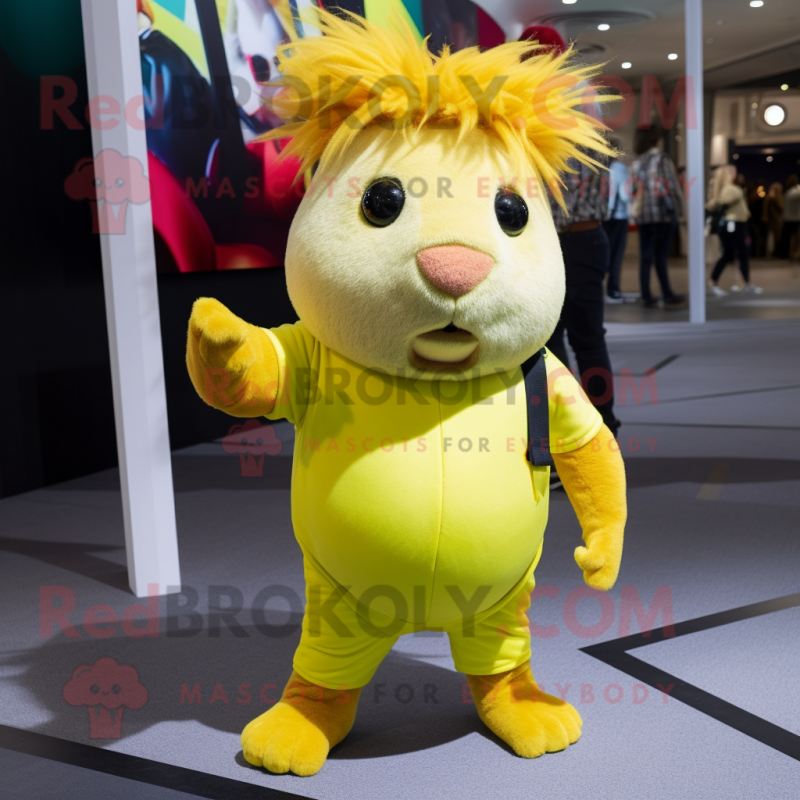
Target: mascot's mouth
{"points": [[445, 348]]}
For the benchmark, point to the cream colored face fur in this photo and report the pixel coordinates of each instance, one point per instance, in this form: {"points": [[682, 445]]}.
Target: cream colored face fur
{"points": [[358, 288]]}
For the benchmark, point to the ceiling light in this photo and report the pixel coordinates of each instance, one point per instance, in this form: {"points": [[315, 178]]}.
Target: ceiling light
{"points": [[785, 87], [626, 65], [570, 2], [753, 3], [753, 105], [769, 158], [673, 56], [774, 115], [603, 26]]}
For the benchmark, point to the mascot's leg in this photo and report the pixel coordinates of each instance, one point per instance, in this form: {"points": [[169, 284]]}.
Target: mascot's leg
{"points": [[338, 653], [531, 722], [297, 733], [495, 655]]}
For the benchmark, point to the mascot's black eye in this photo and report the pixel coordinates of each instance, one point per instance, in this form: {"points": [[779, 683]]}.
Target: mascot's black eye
{"points": [[511, 212], [383, 201]]}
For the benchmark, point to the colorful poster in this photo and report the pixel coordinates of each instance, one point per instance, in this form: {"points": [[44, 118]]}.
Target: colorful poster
{"points": [[221, 199]]}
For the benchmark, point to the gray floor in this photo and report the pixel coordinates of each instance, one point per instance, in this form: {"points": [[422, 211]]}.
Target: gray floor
{"points": [[714, 496], [779, 279]]}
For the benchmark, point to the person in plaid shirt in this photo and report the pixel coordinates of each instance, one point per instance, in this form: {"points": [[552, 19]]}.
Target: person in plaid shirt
{"points": [[586, 250], [657, 206], [585, 195]]}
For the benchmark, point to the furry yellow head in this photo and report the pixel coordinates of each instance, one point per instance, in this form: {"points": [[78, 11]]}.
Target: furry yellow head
{"points": [[446, 286], [358, 75]]}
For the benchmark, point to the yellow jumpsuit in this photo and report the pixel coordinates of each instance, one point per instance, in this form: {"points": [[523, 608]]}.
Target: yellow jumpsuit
{"points": [[415, 507]]}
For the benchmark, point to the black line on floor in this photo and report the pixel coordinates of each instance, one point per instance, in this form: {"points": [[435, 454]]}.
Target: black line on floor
{"points": [[728, 714], [615, 654], [649, 370], [661, 364], [134, 768]]}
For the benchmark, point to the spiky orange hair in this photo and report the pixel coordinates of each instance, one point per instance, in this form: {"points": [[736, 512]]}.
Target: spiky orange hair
{"points": [[358, 74]]}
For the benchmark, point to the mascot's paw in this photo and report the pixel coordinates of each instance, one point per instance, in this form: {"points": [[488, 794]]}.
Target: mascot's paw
{"points": [[221, 338], [299, 731], [283, 740], [531, 722], [600, 565]]}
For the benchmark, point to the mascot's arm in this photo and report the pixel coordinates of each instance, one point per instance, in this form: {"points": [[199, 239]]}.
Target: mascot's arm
{"points": [[594, 477], [233, 365]]}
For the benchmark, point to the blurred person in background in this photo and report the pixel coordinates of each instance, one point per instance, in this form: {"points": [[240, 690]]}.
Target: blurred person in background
{"points": [[791, 218], [657, 206], [728, 195], [616, 225], [758, 228], [743, 184], [773, 216]]}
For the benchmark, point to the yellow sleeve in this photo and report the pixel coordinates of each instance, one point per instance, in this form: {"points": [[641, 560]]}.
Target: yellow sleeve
{"points": [[594, 478], [297, 377], [574, 421]]}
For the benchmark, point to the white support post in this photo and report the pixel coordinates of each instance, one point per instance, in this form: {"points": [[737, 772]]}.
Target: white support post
{"points": [[131, 293], [695, 172]]}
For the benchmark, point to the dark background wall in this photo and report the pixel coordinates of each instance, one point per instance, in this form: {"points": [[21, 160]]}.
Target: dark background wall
{"points": [[56, 408]]}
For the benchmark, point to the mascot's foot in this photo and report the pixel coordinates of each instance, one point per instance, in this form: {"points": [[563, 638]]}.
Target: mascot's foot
{"points": [[531, 722], [297, 733]]}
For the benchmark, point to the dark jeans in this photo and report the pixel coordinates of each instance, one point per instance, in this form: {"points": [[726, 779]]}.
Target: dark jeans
{"points": [[732, 243], [655, 239], [586, 263], [617, 232]]}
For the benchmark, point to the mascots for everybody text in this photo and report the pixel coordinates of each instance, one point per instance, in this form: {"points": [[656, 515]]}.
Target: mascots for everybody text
{"points": [[426, 272]]}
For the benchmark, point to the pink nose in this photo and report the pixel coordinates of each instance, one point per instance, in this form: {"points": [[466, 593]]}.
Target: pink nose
{"points": [[453, 268]]}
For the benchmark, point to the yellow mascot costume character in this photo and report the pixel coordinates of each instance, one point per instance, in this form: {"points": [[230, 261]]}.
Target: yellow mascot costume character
{"points": [[426, 272]]}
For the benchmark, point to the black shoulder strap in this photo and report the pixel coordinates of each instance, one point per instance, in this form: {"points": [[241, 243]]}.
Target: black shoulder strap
{"points": [[534, 371]]}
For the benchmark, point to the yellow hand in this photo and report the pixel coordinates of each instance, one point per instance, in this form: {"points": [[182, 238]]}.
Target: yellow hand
{"points": [[594, 477], [232, 364], [600, 560]]}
